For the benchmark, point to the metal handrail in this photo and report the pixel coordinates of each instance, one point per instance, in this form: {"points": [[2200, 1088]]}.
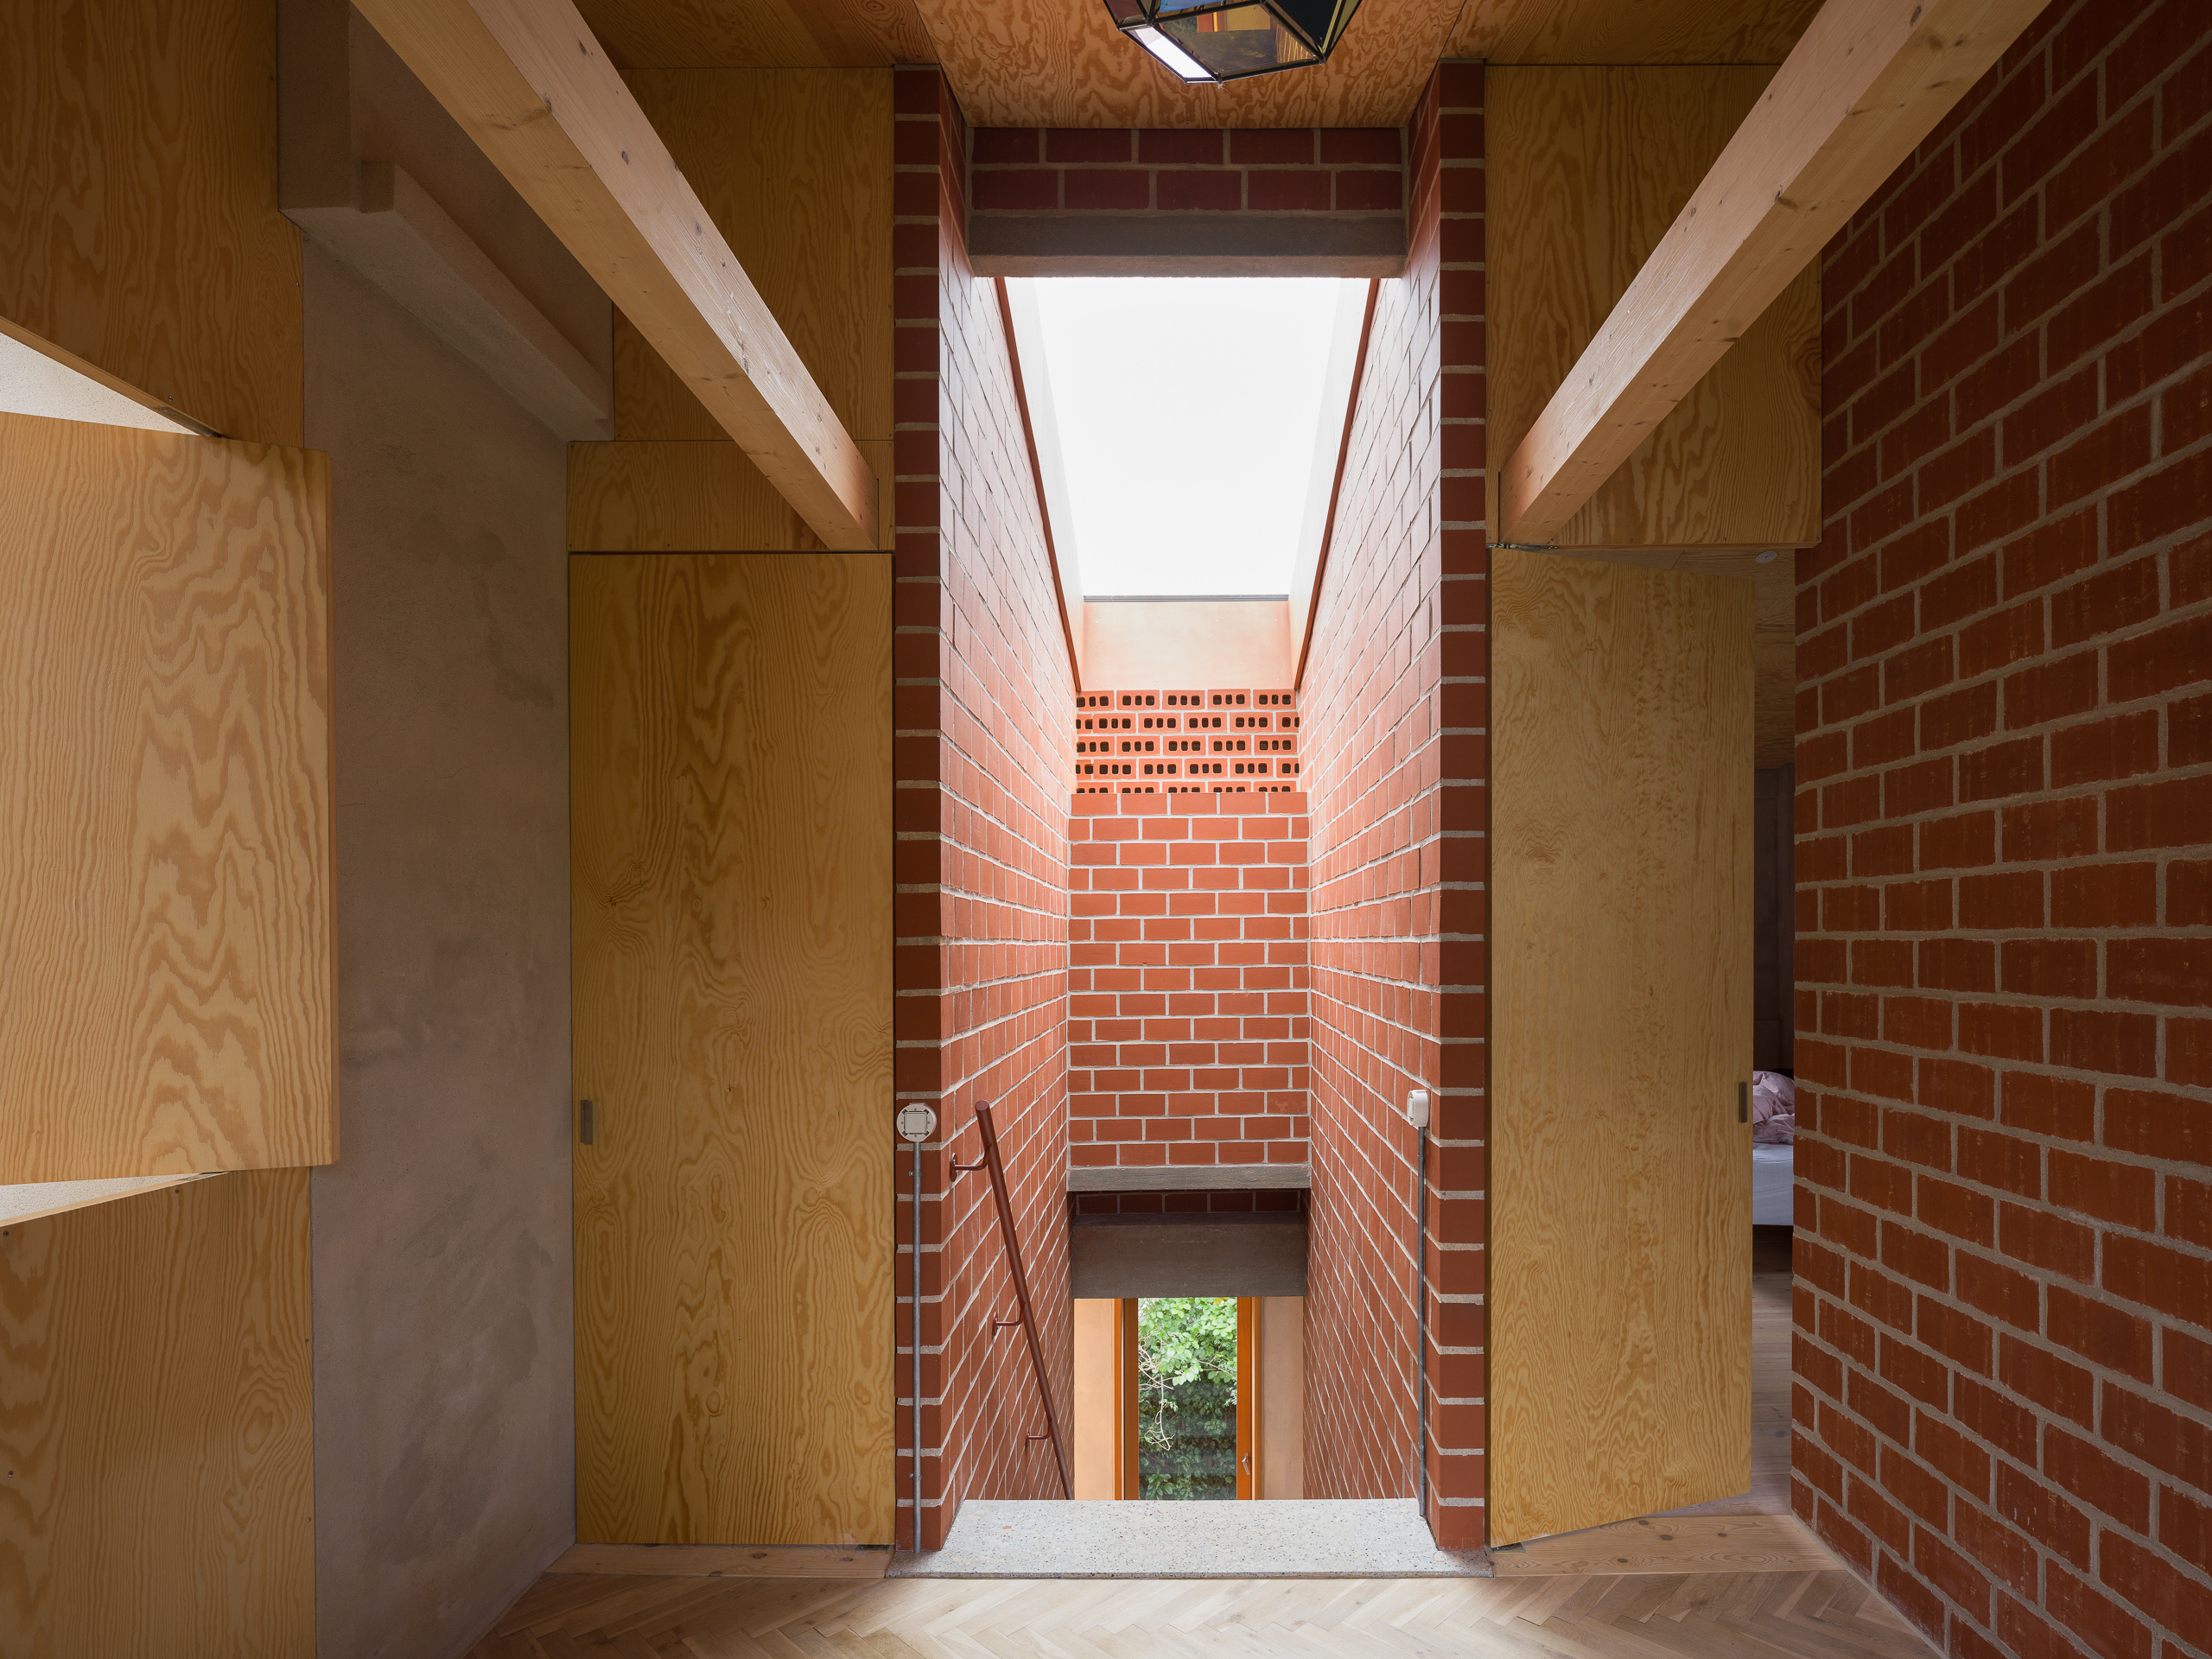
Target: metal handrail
{"points": [[1021, 1290]]}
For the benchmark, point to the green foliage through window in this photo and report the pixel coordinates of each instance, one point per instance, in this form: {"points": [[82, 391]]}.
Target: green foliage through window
{"points": [[1186, 1397]]}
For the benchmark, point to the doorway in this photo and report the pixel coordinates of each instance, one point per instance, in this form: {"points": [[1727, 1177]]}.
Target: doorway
{"points": [[731, 827], [1190, 1398]]}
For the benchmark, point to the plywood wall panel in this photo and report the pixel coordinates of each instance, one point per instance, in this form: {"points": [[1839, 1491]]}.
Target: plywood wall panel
{"points": [[1621, 1026], [731, 34], [1587, 168], [1605, 31], [155, 1426], [165, 811], [687, 496], [138, 221], [795, 167], [652, 401], [733, 892]]}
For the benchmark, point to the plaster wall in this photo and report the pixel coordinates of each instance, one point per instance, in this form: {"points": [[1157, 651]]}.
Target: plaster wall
{"points": [[445, 1474], [1139, 644]]}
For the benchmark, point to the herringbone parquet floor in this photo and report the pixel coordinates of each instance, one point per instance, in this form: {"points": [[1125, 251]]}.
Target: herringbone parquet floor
{"points": [[1681, 1616]]}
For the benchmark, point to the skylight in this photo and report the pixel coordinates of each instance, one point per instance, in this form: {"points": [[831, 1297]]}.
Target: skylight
{"points": [[1187, 412]]}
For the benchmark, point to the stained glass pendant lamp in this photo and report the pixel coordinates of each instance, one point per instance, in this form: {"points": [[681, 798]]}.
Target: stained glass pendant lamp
{"points": [[1228, 40]]}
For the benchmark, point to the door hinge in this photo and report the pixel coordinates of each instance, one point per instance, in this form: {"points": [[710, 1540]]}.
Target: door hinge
{"points": [[1742, 1105], [584, 1124]]}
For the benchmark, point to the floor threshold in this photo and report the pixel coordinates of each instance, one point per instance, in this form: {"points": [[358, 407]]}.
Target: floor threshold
{"points": [[1303, 1538]]}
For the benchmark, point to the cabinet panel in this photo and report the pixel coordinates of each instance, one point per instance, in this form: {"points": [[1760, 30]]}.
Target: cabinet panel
{"points": [[157, 1426], [165, 808]]}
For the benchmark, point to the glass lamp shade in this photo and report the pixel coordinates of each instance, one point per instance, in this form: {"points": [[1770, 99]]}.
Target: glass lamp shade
{"points": [[1228, 40]]}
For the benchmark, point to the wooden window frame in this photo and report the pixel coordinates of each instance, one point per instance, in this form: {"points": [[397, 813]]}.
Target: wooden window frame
{"points": [[1251, 1462]]}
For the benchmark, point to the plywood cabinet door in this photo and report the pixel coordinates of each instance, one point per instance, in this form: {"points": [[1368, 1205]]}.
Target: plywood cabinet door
{"points": [[1621, 1031], [165, 804], [731, 820]]}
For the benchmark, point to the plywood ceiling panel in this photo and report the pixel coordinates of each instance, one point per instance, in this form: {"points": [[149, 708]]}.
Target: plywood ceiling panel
{"points": [[766, 33], [1062, 63], [1020, 63]]}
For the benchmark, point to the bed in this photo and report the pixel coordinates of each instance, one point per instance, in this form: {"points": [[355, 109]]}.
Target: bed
{"points": [[1774, 1133], [1773, 1172]]}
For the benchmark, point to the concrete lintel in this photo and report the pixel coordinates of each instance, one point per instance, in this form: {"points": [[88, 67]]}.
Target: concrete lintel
{"points": [[398, 237], [1187, 1255], [1186, 244], [1194, 1178]]}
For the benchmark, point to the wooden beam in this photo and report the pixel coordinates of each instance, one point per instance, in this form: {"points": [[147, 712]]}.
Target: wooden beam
{"points": [[1868, 80], [528, 82]]}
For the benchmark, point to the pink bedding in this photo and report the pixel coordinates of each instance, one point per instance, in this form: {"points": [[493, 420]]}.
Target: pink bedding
{"points": [[1774, 1109]]}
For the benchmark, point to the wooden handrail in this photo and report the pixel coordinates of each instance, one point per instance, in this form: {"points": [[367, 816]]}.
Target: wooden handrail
{"points": [[1021, 1288]]}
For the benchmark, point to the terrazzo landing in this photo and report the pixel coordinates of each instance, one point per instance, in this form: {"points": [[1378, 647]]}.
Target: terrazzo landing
{"points": [[1309, 1538]]}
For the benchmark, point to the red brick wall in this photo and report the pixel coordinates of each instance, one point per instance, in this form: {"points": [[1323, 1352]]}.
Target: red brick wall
{"points": [[1394, 700], [1186, 980], [982, 817], [2004, 1354], [1299, 170]]}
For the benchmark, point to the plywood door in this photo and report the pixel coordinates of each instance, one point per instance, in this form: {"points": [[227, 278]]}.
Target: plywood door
{"points": [[731, 759], [165, 809], [1621, 1027]]}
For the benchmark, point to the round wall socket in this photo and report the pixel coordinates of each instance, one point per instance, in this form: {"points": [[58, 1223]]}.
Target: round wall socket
{"points": [[916, 1121], [1417, 1107]]}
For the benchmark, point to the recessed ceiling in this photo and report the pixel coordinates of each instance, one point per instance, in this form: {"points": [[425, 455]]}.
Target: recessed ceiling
{"points": [[1061, 63]]}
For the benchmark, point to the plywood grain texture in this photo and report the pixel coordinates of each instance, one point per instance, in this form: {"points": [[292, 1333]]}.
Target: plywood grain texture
{"points": [[794, 166], [1774, 640], [1605, 31], [729, 34], [689, 496], [732, 856], [1024, 63], [138, 221], [1858, 93], [1774, 630], [651, 401], [532, 90], [165, 808], [1587, 168], [1032, 63], [1621, 1024], [155, 1426]]}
